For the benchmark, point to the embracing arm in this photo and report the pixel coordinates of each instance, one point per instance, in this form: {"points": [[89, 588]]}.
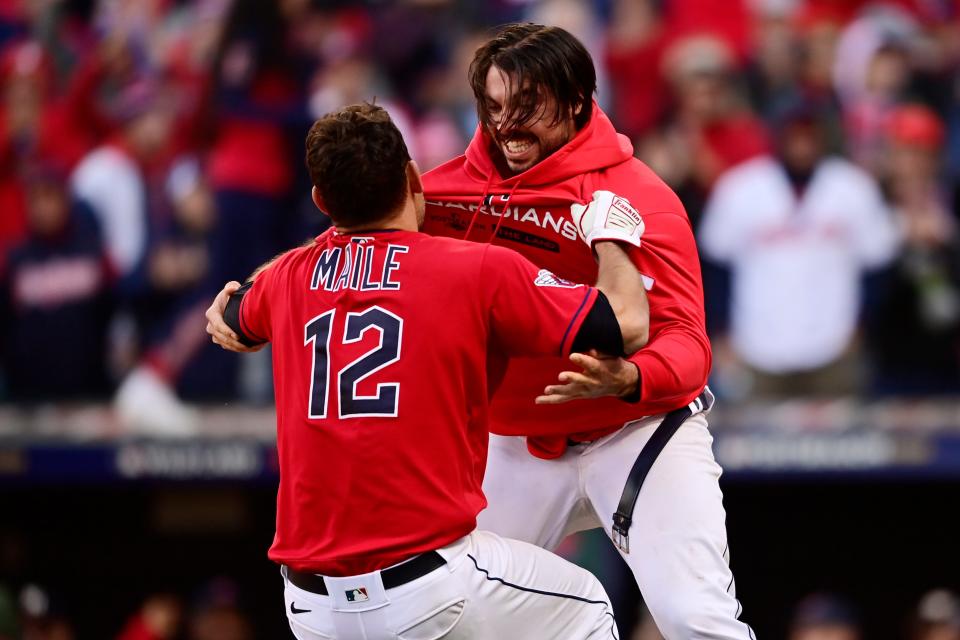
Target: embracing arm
{"points": [[619, 321], [622, 287], [223, 333], [674, 362]]}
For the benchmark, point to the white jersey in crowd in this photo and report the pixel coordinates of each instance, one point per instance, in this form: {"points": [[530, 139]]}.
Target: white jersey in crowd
{"points": [[111, 184], [796, 262]]}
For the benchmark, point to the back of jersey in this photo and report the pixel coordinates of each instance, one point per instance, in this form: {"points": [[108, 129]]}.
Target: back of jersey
{"points": [[377, 343], [381, 346]]}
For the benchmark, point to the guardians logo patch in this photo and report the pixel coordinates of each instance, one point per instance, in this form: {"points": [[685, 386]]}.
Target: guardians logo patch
{"points": [[549, 279]]}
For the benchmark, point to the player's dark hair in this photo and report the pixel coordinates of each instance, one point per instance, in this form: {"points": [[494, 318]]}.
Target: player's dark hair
{"points": [[357, 160], [538, 60]]}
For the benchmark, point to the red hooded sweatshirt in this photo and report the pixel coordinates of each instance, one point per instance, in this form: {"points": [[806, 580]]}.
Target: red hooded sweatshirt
{"points": [[530, 212]]}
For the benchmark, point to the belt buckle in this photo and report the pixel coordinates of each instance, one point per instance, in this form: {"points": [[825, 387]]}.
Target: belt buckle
{"points": [[619, 533]]}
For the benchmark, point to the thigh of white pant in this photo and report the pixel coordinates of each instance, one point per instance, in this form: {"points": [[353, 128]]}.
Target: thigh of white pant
{"points": [[678, 535], [528, 498], [522, 591], [312, 619], [303, 632]]}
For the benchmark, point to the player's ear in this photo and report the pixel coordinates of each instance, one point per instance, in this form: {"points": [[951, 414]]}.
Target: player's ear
{"points": [[318, 200], [414, 178]]}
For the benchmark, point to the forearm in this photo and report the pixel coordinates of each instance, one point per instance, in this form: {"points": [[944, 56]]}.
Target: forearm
{"points": [[622, 284], [674, 365]]}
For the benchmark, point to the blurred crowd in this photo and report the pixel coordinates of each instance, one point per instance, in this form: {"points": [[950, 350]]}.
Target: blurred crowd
{"points": [[215, 611], [828, 616], [151, 150]]}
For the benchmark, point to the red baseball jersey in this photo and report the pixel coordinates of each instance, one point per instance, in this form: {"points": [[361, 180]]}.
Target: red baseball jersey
{"points": [[386, 349], [530, 212]]}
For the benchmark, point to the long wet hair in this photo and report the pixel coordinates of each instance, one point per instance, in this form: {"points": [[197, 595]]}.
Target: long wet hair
{"points": [[538, 60]]}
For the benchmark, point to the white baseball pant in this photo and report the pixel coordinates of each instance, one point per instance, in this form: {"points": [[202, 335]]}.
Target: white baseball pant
{"points": [[678, 541], [490, 588]]}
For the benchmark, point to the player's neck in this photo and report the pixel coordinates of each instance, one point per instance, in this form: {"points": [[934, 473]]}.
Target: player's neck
{"points": [[403, 218]]}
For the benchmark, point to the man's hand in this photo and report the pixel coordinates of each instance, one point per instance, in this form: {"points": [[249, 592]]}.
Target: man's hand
{"points": [[601, 376], [607, 217], [220, 333]]}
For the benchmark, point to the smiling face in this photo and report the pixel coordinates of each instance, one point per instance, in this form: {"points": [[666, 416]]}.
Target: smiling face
{"points": [[523, 144]]}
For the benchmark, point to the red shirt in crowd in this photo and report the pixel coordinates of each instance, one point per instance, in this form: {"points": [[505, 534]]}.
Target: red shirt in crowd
{"points": [[386, 349], [530, 213]]}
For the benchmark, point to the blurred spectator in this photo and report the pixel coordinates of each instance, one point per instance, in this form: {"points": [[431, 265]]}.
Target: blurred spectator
{"points": [[872, 73], [217, 614], [703, 74], [636, 41], [118, 179], [937, 617], [798, 232], [158, 619], [258, 98], [773, 71], [711, 128], [42, 616], [55, 294], [915, 335], [582, 19], [819, 25], [171, 314], [824, 617], [178, 256], [37, 122]]}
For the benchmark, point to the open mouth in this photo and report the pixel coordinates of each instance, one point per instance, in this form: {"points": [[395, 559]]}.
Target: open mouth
{"points": [[518, 147]]}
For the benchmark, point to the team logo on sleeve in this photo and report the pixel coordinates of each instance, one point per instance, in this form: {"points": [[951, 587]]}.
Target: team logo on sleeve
{"points": [[548, 279], [357, 595]]}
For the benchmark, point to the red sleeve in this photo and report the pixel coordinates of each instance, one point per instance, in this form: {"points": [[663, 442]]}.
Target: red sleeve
{"points": [[254, 313], [676, 361], [532, 311]]}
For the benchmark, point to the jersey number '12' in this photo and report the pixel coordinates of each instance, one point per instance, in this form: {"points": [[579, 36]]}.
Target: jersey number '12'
{"points": [[352, 405]]}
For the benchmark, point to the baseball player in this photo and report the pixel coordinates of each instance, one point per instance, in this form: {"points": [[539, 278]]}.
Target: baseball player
{"points": [[641, 465], [380, 465]]}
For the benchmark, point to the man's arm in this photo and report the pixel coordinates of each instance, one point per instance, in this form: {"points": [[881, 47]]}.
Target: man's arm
{"points": [[220, 332], [531, 310], [618, 324], [676, 360], [611, 226], [622, 285]]}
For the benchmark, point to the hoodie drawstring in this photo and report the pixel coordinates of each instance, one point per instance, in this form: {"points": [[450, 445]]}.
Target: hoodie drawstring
{"points": [[483, 199], [506, 207]]}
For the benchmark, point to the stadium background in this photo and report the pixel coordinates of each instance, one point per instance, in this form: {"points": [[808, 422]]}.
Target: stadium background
{"points": [[150, 150]]}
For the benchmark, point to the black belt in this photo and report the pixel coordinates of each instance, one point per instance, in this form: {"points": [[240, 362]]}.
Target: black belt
{"points": [[623, 517], [392, 577]]}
